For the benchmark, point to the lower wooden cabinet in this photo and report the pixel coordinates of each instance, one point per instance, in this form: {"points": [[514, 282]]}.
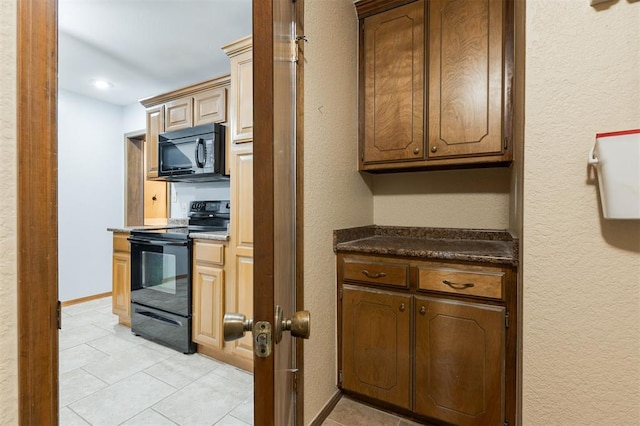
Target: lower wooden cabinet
{"points": [[460, 349], [121, 278], [439, 354], [207, 285], [376, 344], [214, 293]]}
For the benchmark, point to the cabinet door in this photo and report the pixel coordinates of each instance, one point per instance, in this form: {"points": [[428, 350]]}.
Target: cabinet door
{"points": [[240, 294], [375, 344], [178, 114], [465, 77], [210, 106], [241, 94], [243, 302], [155, 126], [460, 361], [208, 283], [393, 61], [121, 291]]}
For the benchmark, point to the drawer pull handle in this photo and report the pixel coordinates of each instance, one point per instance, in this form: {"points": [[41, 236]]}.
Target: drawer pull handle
{"points": [[376, 275], [401, 307], [423, 310], [458, 286]]}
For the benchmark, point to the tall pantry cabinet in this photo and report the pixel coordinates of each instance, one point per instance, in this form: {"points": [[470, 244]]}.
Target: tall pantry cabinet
{"points": [[240, 298]]}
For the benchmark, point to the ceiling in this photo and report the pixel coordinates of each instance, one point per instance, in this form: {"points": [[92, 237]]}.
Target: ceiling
{"points": [[145, 47]]}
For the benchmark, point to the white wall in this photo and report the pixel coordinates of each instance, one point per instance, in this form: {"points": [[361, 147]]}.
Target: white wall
{"points": [[581, 272], [335, 194], [134, 118], [8, 218], [90, 192]]}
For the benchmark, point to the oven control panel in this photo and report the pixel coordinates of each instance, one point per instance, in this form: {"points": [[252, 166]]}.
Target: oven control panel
{"points": [[218, 206]]}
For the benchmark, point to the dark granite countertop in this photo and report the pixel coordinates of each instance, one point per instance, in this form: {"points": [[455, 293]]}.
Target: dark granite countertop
{"points": [[471, 245]]}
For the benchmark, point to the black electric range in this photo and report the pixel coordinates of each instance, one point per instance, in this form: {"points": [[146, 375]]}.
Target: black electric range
{"points": [[161, 293]]}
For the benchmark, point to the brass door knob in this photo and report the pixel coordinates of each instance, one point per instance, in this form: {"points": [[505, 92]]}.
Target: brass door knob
{"points": [[298, 324], [234, 326]]}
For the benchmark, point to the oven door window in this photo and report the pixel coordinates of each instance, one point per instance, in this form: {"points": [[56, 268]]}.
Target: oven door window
{"points": [[160, 276], [159, 271]]}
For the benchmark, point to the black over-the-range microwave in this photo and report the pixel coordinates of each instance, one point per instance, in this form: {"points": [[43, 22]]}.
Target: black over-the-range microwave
{"points": [[195, 154]]}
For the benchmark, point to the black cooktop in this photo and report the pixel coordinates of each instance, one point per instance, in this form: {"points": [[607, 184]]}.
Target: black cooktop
{"points": [[204, 216]]}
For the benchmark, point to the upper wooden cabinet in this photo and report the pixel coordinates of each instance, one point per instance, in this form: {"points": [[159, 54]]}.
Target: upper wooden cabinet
{"points": [[393, 68], [201, 103], [454, 112], [155, 126], [240, 54], [178, 114]]}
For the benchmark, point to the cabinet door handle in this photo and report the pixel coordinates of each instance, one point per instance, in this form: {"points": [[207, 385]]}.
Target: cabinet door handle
{"points": [[458, 286], [423, 310], [402, 307], [376, 275]]}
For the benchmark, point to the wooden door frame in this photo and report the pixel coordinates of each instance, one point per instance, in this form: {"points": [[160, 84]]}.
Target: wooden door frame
{"points": [[37, 234], [136, 138]]}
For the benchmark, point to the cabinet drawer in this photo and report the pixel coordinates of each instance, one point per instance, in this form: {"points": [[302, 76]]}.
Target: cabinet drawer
{"points": [[483, 283], [394, 274], [120, 242], [210, 253]]}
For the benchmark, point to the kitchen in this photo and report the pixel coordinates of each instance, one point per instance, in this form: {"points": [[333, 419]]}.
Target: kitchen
{"points": [[545, 325], [114, 124]]}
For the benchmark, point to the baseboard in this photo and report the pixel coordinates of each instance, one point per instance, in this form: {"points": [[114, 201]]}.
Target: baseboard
{"points": [[327, 409], [85, 299]]}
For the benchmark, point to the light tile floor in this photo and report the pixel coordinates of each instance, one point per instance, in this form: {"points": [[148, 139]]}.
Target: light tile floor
{"points": [[108, 376]]}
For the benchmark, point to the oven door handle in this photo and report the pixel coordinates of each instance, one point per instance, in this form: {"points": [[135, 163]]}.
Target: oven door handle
{"points": [[158, 242], [157, 317]]}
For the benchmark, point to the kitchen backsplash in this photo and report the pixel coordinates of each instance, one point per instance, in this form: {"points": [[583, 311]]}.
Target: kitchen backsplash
{"points": [[182, 193]]}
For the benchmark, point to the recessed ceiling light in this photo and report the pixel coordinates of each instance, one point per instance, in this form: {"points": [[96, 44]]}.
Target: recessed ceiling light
{"points": [[102, 84]]}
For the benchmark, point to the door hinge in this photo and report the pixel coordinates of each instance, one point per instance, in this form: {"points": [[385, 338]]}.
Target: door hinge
{"points": [[506, 143], [59, 315], [506, 423], [340, 378], [506, 320], [295, 380], [295, 43], [341, 292]]}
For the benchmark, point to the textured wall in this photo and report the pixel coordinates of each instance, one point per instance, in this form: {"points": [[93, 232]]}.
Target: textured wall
{"points": [[451, 199], [8, 190], [581, 272], [335, 195]]}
